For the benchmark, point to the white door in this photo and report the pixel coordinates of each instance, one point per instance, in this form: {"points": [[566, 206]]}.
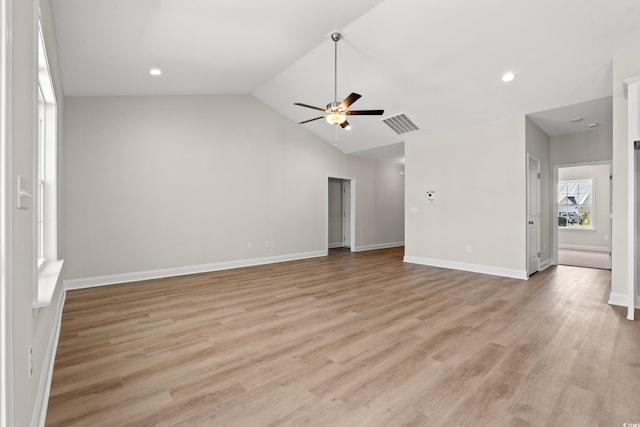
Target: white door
{"points": [[533, 215], [346, 214]]}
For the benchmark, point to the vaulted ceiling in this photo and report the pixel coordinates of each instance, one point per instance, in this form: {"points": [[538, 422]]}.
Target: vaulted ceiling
{"points": [[439, 62]]}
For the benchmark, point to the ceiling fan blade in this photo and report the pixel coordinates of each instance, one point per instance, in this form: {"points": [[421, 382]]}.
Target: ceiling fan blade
{"points": [[349, 100], [345, 124], [310, 120], [309, 106], [364, 112]]}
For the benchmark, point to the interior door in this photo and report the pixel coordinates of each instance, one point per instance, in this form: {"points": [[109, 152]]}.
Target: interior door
{"points": [[346, 214], [533, 215]]}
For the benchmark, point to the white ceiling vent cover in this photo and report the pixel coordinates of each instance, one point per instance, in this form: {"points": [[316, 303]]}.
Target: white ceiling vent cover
{"points": [[400, 123]]}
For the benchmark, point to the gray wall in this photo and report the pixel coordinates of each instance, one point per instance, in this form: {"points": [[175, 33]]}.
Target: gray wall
{"points": [[584, 147], [624, 66], [479, 178], [164, 182]]}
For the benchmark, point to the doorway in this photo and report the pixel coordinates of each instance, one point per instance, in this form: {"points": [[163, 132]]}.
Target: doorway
{"points": [[341, 213], [582, 206]]}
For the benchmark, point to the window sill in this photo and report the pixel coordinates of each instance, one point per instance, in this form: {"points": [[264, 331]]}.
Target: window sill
{"points": [[578, 228], [48, 279]]}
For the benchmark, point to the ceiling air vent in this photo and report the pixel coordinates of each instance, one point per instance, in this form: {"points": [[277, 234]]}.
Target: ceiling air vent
{"points": [[400, 123]]}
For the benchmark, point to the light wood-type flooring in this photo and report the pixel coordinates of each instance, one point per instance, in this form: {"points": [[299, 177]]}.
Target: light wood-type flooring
{"points": [[352, 339], [580, 258]]}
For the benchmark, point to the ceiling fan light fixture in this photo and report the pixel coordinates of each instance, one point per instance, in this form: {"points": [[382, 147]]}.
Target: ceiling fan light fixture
{"points": [[336, 118]]}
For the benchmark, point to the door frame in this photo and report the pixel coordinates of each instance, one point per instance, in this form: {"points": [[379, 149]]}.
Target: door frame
{"points": [[346, 198], [554, 204], [352, 217], [6, 206], [632, 94], [531, 158]]}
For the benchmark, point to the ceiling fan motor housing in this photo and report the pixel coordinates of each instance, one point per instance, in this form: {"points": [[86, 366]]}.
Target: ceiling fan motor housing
{"points": [[333, 106]]}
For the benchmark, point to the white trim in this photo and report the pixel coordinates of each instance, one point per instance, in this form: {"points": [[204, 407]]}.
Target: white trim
{"points": [[585, 248], [335, 245], [378, 246], [42, 399], [353, 209], [554, 202], [633, 133], [621, 300], [114, 279], [48, 279], [6, 206], [474, 268], [45, 281]]}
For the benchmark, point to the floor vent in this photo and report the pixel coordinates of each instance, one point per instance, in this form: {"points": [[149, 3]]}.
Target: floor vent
{"points": [[400, 123]]}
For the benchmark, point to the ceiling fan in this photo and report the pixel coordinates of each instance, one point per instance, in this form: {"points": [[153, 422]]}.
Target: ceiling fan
{"points": [[336, 112]]}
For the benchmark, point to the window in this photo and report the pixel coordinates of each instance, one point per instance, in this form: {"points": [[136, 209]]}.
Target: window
{"points": [[575, 199], [45, 177]]}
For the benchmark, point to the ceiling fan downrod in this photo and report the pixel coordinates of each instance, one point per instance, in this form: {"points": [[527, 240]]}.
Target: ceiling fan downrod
{"points": [[335, 37]]}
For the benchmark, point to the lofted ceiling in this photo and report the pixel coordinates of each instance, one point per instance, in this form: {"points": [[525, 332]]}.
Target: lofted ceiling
{"points": [[438, 62]]}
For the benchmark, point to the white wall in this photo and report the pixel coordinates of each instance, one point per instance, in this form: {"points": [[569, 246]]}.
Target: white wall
{"points": [[155, 183], [479, 178], [597, 238], [624, 67], [29, 328], [538, 145]]}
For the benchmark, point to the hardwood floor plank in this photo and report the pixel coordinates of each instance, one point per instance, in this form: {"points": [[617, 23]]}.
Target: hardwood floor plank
{"points": [[352, 339]]}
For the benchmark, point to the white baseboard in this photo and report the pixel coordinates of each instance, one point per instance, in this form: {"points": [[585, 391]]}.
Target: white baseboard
{"points": [[335, 245], [621, 300], [474, 268], [42, 399], [585, 248], [378, 246], [114, 279]]}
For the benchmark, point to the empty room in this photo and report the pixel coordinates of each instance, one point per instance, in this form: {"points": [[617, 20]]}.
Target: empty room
{"points": [[294, 213]]}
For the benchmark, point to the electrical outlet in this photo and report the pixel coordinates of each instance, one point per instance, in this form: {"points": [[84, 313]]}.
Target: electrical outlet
{"points": [[266, 244], [467, 249], [30, 361], [249, 246]]}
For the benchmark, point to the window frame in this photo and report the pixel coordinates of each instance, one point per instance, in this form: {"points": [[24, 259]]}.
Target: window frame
{"points": [[591, 224], [47, 266]]}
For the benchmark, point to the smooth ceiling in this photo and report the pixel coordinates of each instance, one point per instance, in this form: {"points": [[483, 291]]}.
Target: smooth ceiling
{"points": [[439, 62]]}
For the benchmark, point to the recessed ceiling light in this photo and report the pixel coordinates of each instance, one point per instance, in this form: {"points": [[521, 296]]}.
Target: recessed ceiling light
{"points": [[155, 71], [576, 119], [508, 76]]}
